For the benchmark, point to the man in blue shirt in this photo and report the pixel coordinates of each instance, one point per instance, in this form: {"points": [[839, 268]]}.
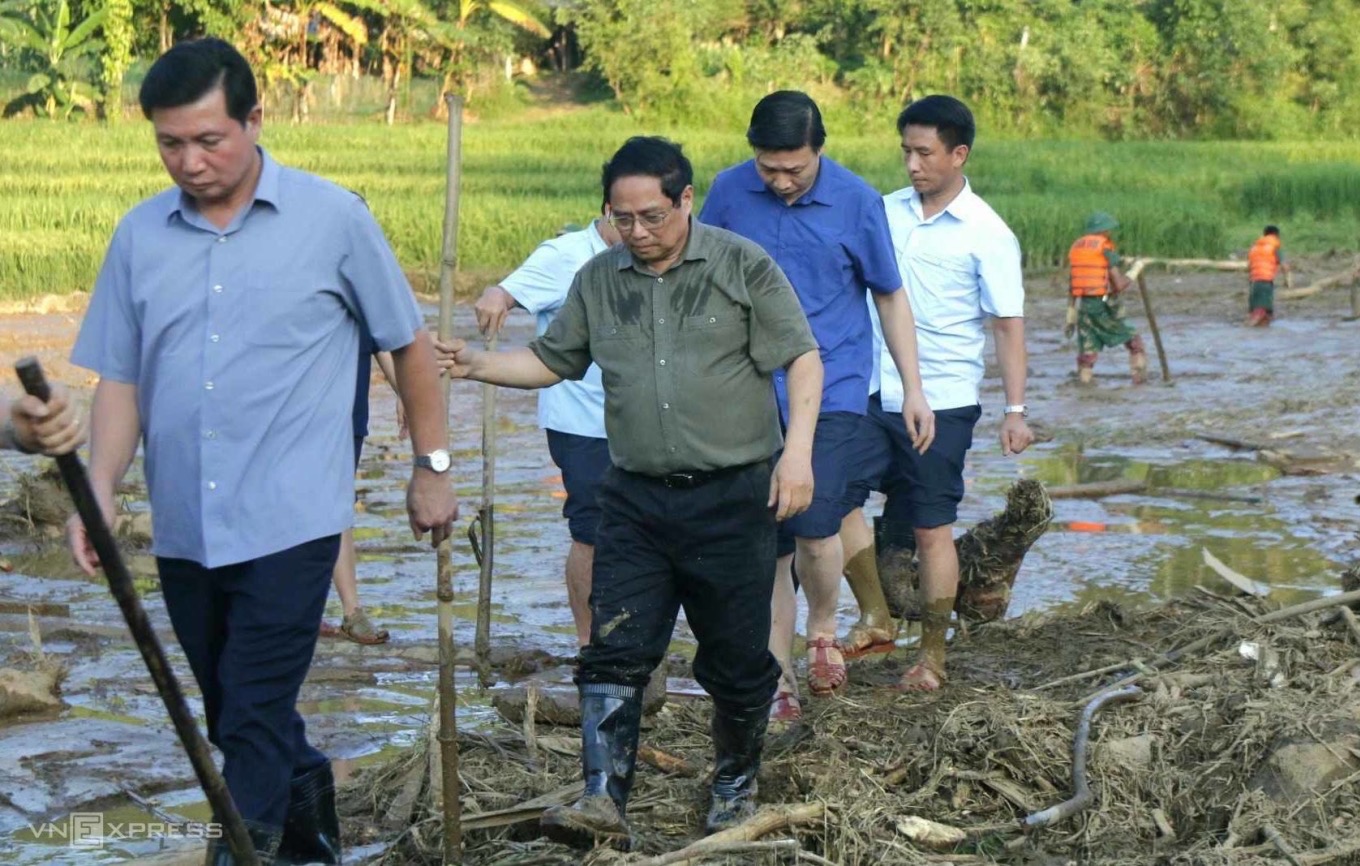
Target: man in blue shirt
{"points": [[826, 229], [224, 326]]}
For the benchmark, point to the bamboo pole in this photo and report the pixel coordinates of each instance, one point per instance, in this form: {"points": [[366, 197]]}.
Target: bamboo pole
{"points": [[1152, 326], [1320, 285], [448, 689]]}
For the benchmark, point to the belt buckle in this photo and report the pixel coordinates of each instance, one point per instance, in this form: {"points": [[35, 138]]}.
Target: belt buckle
{"points": [[681, 480]]}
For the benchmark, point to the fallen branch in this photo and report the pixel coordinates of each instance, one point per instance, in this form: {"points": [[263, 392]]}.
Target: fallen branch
{"points": [[529, 810], [1241, 581], [1348, 617], [666, 762], [1282, 846], [1097, 489], [1207, 264], [1230, 442], [1082, 796], [1320, 285], [762, 823], [680, 856], [930, 834]]}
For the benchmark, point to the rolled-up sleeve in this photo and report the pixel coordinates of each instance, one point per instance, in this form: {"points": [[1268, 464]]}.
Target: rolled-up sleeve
{"points": [[381, 297], [565, 347], [110, 340], [1000, 278], [537, 284], [779, 330]]}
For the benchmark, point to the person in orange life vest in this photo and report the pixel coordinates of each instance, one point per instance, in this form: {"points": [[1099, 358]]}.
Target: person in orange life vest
{"points": [[1264, 260], [1093, 311]]}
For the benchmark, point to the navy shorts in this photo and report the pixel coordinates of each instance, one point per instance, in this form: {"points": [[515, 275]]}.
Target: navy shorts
{"points": [[832, 448], [924, 489], [583, 461], [358, 449]]}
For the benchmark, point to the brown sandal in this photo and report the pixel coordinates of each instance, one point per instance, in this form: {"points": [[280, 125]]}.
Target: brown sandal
{"points": [[358, 628], [825, 677]]}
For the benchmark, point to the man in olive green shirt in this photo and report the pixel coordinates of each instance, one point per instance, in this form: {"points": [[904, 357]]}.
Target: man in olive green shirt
{"points": [[688, 324]]}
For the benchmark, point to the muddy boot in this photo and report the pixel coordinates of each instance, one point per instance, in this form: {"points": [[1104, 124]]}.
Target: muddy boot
{"points": [[610, 715], [1086, 368], [738, 737], [312, 832], [875, 631], [264, 837]]}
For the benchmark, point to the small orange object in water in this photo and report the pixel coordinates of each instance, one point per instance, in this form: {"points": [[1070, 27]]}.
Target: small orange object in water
{"points": [[1086, 526], [558, 494]]}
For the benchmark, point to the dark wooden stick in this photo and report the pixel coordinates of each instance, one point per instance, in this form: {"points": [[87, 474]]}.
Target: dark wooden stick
{"points": [[121, 586], [486, 518]]}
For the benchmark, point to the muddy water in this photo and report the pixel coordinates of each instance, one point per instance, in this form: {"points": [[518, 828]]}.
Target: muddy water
{"points": [[1294, 381]]}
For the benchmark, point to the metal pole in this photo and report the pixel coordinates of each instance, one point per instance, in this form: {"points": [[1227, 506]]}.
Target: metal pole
{"points": [[1152, 326], [120, 585], [448, 690]]}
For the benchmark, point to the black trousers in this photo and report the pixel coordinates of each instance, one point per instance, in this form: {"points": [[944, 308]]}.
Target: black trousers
{"points": [[709, 549], [249, 631]]}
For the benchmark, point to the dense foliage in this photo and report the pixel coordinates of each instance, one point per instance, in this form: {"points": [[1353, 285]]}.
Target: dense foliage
{"points": [[1111, 68]]}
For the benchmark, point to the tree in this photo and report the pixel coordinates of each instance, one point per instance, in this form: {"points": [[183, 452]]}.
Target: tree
{"points": [[56, 50], [116, 56]]}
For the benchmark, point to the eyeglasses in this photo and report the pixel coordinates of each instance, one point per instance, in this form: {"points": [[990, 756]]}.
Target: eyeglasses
{"points": [[652, 220]]}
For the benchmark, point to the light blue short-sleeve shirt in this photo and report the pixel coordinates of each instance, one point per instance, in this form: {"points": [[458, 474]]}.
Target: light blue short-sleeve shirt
{"points": [[960, 266], [242, 344], [540, 285]]}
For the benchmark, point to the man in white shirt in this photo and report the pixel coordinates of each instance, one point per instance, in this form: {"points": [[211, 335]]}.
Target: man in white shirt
{"points": [[961, 265], [571, 413]]}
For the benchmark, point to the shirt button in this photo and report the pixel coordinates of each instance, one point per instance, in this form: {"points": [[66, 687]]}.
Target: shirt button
{"points": [[214, 338], [662, 362], [212, 485], [672, 449], [661, 321], [211, 434], [613, 330], [712, 319], [660, 280], [207, 386], [665, 405], [221, 239], [217, 289]]}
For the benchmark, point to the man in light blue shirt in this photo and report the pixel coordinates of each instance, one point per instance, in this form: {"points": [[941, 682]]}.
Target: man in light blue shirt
{"points": [[826, 229], [224, 327], [961, 265], [571, 412]]}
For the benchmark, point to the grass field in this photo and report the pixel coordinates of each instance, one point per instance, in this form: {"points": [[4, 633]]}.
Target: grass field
{"points": [[63, 188]]}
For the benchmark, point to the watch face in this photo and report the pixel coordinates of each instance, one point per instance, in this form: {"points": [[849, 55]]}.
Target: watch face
{"points": [[440, 461]]}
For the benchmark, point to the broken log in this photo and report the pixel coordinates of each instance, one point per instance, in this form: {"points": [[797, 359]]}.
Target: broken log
{"points": [[762, 823], [1340, 278], [1098, 489], [1240, 581], [990, 556]]}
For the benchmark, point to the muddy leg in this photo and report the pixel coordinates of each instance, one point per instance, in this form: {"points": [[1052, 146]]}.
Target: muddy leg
{"points": [[875, 626], [939, 585]]}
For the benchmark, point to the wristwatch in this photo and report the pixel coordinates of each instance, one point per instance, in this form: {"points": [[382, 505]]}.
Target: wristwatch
{"points": [[1017, 409], [435, 461]]}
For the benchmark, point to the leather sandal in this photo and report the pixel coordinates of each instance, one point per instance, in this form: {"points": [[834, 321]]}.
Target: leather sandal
{"points": [[825, 677], [786, 709], [360, 629]]}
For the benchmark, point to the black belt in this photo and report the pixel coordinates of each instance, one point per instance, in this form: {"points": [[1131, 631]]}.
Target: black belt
{"points": [[697, 477]]}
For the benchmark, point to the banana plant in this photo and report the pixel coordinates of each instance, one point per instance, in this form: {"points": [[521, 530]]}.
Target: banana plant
{"points": [[58, 52]]}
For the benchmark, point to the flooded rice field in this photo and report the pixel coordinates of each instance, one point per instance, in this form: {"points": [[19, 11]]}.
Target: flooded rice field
{"points": [[1288, 392]]}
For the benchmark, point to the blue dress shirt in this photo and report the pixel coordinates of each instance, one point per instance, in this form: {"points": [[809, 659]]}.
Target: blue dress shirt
{"points": [[242, 343], [833, 244]]}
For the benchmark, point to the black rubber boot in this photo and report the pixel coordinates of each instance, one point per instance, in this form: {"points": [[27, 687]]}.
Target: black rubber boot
{"points": [[738, 737], [264, 837], [312, 832], [610, 716]]}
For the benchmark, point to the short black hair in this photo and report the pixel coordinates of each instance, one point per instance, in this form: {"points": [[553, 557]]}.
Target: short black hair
{"points": [[786, 120], [650, 156], [952, 120], [1273, 230], [190, 70]]}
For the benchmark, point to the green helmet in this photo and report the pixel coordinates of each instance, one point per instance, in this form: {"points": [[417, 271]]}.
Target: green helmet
{"points": [[1100, 222]]}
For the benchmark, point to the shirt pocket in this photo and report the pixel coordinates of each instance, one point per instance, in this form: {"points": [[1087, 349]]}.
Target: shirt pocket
{"points": [[616, 350], [714, 344], [942, 285]]}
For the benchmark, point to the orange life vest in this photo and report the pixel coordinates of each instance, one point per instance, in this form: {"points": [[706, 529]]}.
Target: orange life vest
{"points": [[1090, 270], [1263, 260]]}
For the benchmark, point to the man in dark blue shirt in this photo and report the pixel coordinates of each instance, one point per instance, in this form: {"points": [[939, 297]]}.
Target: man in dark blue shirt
{"points": [[827, 230]]}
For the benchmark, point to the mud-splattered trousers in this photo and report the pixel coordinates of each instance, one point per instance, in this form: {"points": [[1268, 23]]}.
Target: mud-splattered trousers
{"points": [[709, 548]]}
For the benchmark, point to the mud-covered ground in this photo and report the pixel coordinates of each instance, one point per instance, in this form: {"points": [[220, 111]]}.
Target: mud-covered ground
{"points": [[1291, 387]]}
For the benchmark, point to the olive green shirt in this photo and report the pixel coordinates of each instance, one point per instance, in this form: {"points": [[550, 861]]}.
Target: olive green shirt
{"points": [[687, 356]]}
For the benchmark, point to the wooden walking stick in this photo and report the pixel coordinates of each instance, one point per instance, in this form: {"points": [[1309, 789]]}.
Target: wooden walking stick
{"points": [[486, 520], [120, 585], [448, 689], [1152, 326]]}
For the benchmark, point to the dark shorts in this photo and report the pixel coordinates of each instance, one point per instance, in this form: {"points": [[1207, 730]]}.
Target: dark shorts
{"points": [[925, 489], [583, 461], [832, 448], [358, 449], [1262, 296]]}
